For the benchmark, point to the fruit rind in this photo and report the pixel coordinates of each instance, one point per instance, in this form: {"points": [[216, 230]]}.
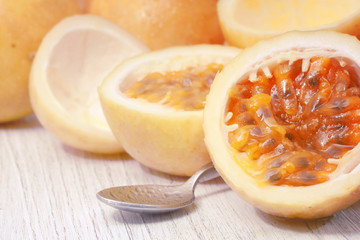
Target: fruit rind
{"points": [[159, 137], [315, 201], [77, 130]]}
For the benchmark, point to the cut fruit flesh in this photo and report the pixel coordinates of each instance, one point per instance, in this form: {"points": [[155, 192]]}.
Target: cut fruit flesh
{"points": [[296, 122], [332, 191], [294, 14], [185, 89], [160, 136], [72, 60]]}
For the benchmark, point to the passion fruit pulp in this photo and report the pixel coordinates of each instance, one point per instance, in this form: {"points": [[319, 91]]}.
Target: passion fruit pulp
{"points": [[281, 124], [183, 89], [302, 118]]}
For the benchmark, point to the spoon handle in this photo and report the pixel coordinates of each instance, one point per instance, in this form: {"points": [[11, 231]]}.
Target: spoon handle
{"points": [[205, 173], [208, 173]]}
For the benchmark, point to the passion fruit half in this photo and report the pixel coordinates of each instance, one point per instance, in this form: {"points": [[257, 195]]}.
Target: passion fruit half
{"points": [[282, 124], [154, 105], [71, 62], [245, 22]]}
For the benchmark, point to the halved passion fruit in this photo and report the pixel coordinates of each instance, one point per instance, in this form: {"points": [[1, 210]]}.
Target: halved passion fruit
{"points": [[245, 22], [72, 60], [282, 124], [154, 105]]}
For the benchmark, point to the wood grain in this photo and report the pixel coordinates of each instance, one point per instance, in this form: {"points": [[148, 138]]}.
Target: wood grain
{"points": [[47, 191]]}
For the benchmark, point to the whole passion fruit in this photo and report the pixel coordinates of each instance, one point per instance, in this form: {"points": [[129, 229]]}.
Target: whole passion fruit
{"points": [[154, 105], [282, 124], [23, 25], [162, 23]]}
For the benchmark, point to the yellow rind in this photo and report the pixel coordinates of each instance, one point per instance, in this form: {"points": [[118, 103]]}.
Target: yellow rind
{"points": [[23, 24], [170, 144]]}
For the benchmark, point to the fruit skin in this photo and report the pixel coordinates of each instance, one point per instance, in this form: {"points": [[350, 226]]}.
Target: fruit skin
{"points": [[167, 143], [159, 137], [23, 24], [78, 128], [163, 23], [243, 36], [321, 200]]}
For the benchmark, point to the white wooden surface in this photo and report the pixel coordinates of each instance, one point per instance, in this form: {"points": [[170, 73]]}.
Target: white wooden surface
{"points": [[47, 191]]}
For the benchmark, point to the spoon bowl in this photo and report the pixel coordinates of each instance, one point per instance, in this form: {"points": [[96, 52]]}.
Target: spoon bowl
{"points": [[156, 198]]}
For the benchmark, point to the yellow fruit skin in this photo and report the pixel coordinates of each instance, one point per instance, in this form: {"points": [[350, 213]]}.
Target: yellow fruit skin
{"points": [[164, 23], [23, 24], [169, 144]]}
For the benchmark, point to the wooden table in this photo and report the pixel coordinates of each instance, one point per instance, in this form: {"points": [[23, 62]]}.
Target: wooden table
{"points": [[47, 191]]}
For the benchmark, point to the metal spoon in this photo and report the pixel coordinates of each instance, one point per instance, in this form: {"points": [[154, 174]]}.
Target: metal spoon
{"points": [[156, 198]]}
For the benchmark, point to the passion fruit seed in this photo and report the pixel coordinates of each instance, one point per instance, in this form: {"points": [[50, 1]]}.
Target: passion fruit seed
{"points": [[183, 89], [300, 118]]}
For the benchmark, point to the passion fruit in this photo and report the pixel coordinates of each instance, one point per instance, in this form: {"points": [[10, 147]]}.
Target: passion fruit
{"points": [[245, 22], [282, 124], [72, 60], [163, 23], [153, 104], [23, 24]]}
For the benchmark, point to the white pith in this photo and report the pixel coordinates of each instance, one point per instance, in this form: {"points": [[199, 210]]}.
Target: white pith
{"points": [[72, 60]]}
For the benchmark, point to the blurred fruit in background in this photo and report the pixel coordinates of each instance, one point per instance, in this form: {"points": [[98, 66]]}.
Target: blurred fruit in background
{"points": [[163, 23], [23, 24], [245, 22]]}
